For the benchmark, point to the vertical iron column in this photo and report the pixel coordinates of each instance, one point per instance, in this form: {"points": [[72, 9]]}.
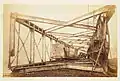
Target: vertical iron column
{"points": [[50, 49], [34, 45], [105, 26], [13, 53], [30, 46], [43, 48], [105, 64], [14, 37], [18, 45], [10, 41]]}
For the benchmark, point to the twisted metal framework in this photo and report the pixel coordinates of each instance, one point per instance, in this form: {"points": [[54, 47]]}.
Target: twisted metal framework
{"points": [[95, 36]]}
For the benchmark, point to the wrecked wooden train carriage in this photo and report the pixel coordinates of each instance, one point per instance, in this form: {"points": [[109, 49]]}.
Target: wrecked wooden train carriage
{"points": [[100, 42], [93, 42]]}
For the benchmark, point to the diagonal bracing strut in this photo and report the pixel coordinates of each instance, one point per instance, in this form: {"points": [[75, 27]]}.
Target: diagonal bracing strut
{"points": [[41, 31]]}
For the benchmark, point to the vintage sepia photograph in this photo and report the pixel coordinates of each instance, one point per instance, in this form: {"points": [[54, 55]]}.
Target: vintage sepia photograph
{"points": [[60, 40]]}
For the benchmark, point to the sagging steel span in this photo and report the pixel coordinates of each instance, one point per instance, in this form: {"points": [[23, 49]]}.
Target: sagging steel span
{"points": [[95, 37]]}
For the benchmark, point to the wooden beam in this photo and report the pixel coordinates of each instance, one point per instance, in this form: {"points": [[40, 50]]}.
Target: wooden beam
{"points": [[98, 55]]}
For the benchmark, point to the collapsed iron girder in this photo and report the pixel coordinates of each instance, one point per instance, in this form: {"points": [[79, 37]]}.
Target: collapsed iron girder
{"points": [[41, 31]]}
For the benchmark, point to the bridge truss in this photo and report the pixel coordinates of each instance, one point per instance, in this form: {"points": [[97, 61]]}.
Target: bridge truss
{"points": [[33, 44]]}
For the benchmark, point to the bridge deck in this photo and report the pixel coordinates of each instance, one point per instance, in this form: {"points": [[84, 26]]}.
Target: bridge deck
{"points": [[52, 65]]}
